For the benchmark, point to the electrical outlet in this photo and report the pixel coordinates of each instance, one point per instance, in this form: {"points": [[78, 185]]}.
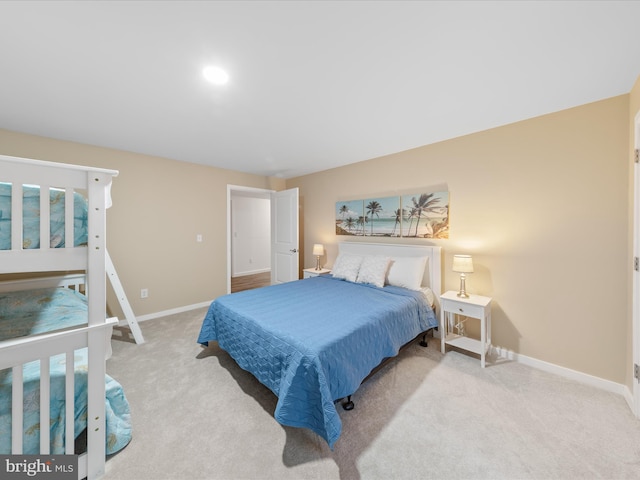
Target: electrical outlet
{"points": [[199, 238], [144, 293]]}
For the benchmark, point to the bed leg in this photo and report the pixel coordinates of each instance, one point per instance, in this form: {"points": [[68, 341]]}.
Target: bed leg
{"points": [[423, 342], [348, 404]]}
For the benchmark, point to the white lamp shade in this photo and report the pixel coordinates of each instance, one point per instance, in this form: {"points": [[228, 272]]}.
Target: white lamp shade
{"points": [[462, 264], [318, 249]]}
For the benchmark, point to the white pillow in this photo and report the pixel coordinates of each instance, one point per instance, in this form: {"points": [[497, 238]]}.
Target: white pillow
{"points": [[347, 266], [407, 272], [374, 270]]}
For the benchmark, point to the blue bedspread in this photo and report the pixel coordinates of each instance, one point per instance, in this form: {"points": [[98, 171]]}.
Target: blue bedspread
{"points": [[31, 217], [34, 312], [314, 341]]}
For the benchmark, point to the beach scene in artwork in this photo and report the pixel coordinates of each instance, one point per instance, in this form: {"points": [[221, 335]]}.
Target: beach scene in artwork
{"points": [[426, 215], [374, 217], [420, 215], [349, 217]]}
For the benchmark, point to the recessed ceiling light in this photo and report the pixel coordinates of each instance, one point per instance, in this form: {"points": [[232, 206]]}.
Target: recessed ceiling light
{"points": [[215, 75]]}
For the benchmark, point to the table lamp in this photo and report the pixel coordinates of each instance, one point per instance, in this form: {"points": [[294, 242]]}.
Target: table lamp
{"points": [[318, 251], [462, 264]]}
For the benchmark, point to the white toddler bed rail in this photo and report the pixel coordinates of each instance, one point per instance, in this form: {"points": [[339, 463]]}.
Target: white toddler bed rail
{"points": [[91, 258]]}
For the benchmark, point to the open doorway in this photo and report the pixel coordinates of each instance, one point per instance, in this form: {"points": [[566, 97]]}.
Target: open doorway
{"points": [[281, 231], [249, 238]]}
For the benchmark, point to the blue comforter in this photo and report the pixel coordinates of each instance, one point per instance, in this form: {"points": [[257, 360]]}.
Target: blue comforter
{"points": [[314, 341]]}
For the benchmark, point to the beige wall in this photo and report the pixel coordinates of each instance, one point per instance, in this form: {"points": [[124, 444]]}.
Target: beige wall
{"points": [[159, 206], [542, 205]]}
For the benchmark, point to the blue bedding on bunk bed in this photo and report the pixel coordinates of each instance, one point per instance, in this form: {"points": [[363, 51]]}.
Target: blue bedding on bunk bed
{"points": [[32, 312], [314, 341], [31, 217]]}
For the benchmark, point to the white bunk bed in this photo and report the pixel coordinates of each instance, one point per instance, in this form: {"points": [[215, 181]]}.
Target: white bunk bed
{"points": [[95, 334]]}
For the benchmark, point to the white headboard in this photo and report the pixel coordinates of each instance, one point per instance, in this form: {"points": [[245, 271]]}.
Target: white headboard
{"points": [[432, 273]]}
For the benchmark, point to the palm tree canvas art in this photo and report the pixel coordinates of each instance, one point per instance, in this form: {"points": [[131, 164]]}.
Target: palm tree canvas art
{"points": [[420, 215], [350, 217], [426, 215]]}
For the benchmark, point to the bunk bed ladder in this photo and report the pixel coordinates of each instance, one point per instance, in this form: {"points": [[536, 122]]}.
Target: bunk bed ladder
{"points": [[124, 302]]}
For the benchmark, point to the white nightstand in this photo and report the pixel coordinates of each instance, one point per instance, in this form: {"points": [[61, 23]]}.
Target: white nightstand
{"points": [[312, 272], [475, 306]]}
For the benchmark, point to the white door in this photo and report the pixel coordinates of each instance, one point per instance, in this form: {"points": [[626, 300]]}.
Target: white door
{"points": [[284, 236]]}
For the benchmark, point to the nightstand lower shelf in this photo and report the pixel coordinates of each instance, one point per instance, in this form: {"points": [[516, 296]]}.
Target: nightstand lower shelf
{"points": [[466, 343]]}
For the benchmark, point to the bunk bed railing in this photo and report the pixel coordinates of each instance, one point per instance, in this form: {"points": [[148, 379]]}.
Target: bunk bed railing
{"points": [[15, 353], [74, 281], [95, 184]]}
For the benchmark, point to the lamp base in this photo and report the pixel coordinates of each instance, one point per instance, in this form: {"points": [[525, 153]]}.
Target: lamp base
{"points": [[463, 291], [318, 263]]}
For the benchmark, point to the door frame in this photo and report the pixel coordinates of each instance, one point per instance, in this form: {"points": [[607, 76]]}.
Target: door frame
{"points": [[636, 274], [260, 192]]}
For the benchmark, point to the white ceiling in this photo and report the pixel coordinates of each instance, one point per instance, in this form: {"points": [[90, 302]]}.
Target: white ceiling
{"points": [[314, 85]]}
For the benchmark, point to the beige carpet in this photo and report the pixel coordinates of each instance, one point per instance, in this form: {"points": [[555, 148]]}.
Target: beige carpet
{"points": [[197, 415]]}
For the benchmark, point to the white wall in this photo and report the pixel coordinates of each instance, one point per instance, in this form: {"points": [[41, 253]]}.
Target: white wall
{"points": [[250, 235]]}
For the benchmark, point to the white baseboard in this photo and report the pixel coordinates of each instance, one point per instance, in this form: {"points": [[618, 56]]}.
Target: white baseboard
{"points": [[628, 396], [581, 377], [164, 313]]}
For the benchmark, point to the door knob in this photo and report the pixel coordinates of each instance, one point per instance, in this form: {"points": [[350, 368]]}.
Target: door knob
{"points": [[293, 250]]}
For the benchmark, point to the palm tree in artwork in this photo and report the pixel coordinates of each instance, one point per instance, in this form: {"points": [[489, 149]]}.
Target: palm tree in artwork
{"points": [[361, 222], [411, 215], [349, 223], [374, 208], [398, 214], [425, 203], [439, 229], [342, 211]]}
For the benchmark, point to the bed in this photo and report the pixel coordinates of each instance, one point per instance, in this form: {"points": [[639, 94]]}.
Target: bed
{"points": [[55, 353], [312, 342]]}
